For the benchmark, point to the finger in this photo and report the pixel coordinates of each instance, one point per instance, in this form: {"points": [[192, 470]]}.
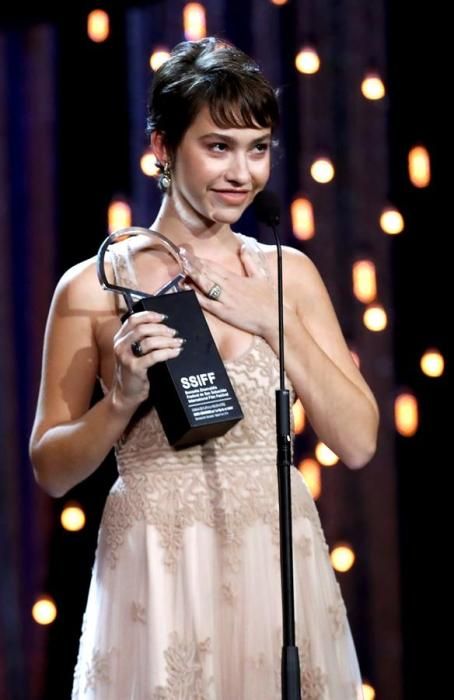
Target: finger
{"points": [[150, 344], [143, 317], [144, 330]]}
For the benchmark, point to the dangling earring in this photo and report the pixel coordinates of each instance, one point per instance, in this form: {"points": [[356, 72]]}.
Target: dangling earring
{"points": [[166, 177]]}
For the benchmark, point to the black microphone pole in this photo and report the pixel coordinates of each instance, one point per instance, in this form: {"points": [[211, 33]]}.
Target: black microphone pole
{"points": [[267, 210]]}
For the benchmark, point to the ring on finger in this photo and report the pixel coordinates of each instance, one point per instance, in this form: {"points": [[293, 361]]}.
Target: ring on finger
{"points": [[136, 348], [215, 292]]}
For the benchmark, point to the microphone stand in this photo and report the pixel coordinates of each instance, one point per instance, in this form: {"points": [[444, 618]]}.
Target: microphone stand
{"points": [[290, 666]]}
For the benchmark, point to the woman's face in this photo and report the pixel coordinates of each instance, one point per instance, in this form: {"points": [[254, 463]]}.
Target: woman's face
{"points": [[217, 172]]}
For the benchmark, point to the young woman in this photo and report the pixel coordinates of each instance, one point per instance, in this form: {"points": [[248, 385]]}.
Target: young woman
{"points": [[185, 598]]}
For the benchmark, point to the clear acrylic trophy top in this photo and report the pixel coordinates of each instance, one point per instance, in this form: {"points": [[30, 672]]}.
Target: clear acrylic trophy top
{"points": [[143, 250]]}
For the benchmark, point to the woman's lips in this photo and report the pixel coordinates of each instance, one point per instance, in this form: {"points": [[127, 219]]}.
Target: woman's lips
{"points": [[231, 196]]}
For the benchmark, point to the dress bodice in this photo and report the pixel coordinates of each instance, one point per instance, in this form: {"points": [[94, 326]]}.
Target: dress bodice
{"points": [[255, 377]]}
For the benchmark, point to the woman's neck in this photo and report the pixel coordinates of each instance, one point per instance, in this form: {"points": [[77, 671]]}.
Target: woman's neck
{"points": [[202, 238]]}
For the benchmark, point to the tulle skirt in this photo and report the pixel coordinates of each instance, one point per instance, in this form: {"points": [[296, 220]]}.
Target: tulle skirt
{"points": [[192, 610]]}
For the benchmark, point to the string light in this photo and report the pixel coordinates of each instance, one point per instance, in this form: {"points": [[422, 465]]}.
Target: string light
{"points": [[322, 170], [391, 221], [44, 610], [159, 56], [432, 363], [118, 215], [72, 517], [194, 21], [98, 26], [148, 163], [406, 414], [368, 691], [419, 166], [364, 281], [302, 215], [372, 86], [310, 469], [299, 418], [307, 60], [375, 318], [342, 557], [325, 456]]}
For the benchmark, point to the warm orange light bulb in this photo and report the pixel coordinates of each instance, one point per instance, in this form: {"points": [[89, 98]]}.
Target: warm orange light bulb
{"points": [[302, 218]]}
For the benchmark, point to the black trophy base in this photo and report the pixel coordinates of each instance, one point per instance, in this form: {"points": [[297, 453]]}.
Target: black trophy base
{"points": [[192, 393]]}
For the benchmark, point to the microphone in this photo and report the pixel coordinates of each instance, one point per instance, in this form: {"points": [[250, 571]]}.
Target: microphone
{"points": [[267, 208], [267, 211]]}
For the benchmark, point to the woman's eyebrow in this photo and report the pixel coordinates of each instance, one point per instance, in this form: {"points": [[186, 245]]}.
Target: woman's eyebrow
{"points": [[232, 140]]}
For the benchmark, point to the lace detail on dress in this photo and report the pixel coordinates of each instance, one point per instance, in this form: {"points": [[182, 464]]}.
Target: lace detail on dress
{"points": [[338, 615], [98, 671], [138, 612], [184, 668], [228, 500], [313, 680]]}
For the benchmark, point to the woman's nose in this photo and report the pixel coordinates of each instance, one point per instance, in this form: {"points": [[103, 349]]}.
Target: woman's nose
{"points": [[238, 170]]}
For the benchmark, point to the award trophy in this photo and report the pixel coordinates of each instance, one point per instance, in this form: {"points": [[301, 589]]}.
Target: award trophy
{"points": [[192, 393]]}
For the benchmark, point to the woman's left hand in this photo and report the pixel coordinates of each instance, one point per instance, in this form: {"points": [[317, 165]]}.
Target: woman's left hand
{"points": [[248, 303]]}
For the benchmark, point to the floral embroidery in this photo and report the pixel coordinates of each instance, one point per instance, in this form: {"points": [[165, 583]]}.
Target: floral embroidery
{"points": [[98, 670], [228, 594], [138, 612], [338, 615], [305, 545], [313, 680], [184, 668]]}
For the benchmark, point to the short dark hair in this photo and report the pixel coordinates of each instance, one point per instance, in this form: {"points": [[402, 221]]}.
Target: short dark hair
{"points": [[214, 73]]}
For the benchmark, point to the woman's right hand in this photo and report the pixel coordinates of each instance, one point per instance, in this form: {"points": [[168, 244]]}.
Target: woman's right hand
{"points": [[157, 342]]}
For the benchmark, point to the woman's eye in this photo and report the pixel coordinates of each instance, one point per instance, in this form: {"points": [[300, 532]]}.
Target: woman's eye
{"points": [[262, 147], [218, 147]]}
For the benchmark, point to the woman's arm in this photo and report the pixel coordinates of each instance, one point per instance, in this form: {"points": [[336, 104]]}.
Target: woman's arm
{"points": [[336, 398], [69, 439]]}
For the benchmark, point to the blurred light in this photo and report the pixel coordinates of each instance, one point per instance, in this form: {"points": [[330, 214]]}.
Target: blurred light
{"points": [[299, 418], [44, 610], [368, 691], [98, 26], [342, 557], [391, 221], [302, 219], [364, 281], [325, 456], [372, 86], [322, 170], [355, 358], [307, 60], [148, 164], [158, 57], [279, 2], [72, 516], [375, 318], [419, 166], [406, 414], [432, 363], [118, 215], [194, 21], [310, 469]]}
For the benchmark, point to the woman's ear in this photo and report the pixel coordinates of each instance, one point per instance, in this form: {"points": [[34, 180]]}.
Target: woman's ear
{"points": [[158, 147]]}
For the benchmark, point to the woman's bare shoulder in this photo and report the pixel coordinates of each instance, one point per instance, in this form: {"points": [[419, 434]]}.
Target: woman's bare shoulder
{"points": [[79, 284], [295, 260]]}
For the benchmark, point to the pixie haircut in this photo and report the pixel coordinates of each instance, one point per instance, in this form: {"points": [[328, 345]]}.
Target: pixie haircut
{"points": [[211, 73]]}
